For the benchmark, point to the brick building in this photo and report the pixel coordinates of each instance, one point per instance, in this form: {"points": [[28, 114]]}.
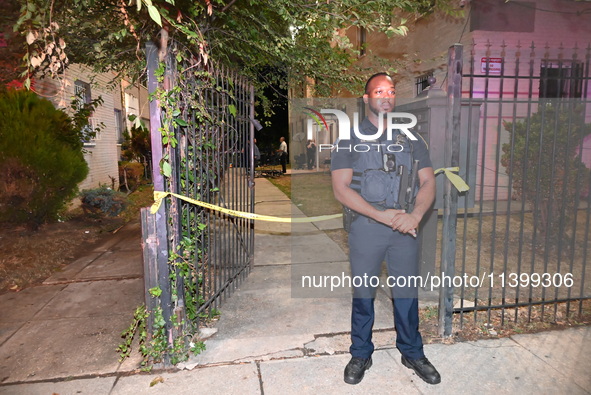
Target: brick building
{"points": [[120, 99], [517, 50]]}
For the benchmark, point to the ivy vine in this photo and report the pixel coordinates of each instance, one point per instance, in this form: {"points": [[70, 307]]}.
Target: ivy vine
{"points": [[181, 105]]}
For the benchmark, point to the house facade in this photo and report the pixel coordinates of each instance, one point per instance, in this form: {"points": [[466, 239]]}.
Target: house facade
{"points": [[489, 27], [120, 99], [516, 52]]}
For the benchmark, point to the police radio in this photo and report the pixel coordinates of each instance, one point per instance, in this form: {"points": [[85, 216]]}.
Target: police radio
{"points": [[408, 184]]}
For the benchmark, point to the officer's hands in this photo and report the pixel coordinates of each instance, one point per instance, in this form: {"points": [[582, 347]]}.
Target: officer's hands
{"points": [[405, 223], [399, 220], [387, 216], [391, 218]]}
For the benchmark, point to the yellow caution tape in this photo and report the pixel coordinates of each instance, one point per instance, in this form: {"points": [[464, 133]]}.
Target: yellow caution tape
{"points": [[456, 180], [159, 196]]}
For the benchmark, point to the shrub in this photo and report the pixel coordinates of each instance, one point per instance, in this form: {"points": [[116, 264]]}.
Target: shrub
{"points": [[103, 200], [135, 149], [131, 175], [41, 159], [548, 147]]}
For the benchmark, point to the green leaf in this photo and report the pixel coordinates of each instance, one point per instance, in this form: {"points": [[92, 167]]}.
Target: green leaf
{"points": [[155, 15], [166, 169], [232, 109], [181, 122]]}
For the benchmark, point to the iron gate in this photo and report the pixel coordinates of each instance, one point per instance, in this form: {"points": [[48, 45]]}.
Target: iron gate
{"points": [[202, 137], [525, 242]]}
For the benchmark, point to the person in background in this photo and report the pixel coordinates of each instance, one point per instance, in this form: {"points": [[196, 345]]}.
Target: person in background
{"points": [[311, 154], [257, 154], [283, 154]]}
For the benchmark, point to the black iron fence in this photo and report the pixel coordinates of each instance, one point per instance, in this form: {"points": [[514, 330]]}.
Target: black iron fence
{"points": [[202, 139], [522, 248]]}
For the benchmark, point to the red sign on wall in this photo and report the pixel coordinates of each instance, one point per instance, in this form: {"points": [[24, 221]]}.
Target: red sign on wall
{"points": [[494, 65]]}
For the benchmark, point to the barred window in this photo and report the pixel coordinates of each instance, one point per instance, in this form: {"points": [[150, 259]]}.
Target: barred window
{"points": [[422, 82], [561, 79]]}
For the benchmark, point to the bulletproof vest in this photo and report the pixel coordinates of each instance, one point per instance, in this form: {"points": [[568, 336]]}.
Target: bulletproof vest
{"points": [[376, 169]]}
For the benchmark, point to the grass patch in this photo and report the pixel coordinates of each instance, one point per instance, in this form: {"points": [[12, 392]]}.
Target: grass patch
{"points": [[282, 183], [143, 196], [310, 192]]}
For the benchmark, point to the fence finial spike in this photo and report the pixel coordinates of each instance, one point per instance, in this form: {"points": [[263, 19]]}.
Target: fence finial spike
{"points": [[547, 53], [575, 53]]}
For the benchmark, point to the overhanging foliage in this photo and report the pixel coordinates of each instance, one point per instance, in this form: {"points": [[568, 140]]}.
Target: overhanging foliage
{"points": [[273, 43]]}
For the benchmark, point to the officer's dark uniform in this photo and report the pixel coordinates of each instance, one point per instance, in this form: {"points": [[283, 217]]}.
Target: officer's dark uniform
{"points": [[370, 242]]}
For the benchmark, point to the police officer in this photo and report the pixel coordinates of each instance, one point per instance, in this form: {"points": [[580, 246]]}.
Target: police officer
{"points": [[368, 184]]}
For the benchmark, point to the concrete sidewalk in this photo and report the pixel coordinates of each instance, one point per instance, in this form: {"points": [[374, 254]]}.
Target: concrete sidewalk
{"points": [[60, 337]]}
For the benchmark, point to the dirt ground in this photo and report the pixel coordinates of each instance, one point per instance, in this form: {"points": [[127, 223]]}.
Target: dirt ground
{"points": [[499, 323], [28, 257]]}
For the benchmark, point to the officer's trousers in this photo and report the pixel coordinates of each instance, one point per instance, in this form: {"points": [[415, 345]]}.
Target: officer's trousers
{"points": [[371, 243]]}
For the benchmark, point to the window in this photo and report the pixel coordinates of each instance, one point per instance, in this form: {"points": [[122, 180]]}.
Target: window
{"points": [[560, 79], [132, 106], [422, 82], [119, 125], [82, 91], [83, 95]]}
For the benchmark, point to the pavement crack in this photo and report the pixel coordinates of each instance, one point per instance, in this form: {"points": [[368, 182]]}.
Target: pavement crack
{"points": [[269, 356], [258, 365], [499, 346], [115, 382], [89, 280]]}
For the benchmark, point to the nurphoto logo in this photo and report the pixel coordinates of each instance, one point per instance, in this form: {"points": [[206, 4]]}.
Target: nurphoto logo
{"points": [[344, 127]]}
